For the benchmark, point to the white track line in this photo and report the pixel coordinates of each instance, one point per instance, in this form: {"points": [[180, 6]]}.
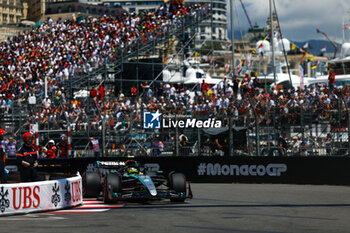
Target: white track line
{"points": [[90, 206], [79, 211]]}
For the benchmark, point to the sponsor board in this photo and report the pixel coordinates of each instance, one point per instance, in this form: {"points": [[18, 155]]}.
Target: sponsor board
{"points": [[271, 169], [192, 123], [29, 197], [152, 120]]}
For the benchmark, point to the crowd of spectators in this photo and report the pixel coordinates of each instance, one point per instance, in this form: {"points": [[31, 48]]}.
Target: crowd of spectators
{"points": [[121, 110], [58, 50]]}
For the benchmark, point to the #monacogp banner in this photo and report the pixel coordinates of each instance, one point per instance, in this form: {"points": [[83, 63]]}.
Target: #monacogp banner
{"points": [[40, 196]]}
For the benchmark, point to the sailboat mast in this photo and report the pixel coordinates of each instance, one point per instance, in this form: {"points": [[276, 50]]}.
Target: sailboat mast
{"points": [[272, 44], [232, 37], [343, 29]]}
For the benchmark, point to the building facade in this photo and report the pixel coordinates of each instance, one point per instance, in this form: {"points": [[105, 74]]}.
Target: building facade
{"points": [[36, 10], [215, 28], [12, 12], [136, 6], [65, 10]]}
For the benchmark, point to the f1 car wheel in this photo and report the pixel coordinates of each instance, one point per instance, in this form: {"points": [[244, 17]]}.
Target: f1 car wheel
{"points": [[178, 183], [92, 184], [112, 186]]}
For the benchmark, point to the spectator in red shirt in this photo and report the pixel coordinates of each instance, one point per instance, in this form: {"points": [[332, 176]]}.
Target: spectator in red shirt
{"points": [[133, 91], [331, 80], [204, 87], [93, 93], [101, 92]]}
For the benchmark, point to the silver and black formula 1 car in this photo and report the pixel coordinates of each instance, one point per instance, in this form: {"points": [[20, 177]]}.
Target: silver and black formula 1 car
{"points": [[123, 181]]}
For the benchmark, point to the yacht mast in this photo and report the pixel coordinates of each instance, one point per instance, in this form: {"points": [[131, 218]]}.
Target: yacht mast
{"points": [[343, 29], [272, 44], [232, 38]]}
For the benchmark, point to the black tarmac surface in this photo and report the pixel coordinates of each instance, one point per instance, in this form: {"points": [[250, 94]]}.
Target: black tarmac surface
{"points": [[257, 208]]}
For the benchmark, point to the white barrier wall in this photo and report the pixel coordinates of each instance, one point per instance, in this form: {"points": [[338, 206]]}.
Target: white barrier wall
{"points": [[40, 196]]}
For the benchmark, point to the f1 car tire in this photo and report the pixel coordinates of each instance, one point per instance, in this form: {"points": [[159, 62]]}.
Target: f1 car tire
{"points": [[178, 182], [112, 185], [92, 184]]}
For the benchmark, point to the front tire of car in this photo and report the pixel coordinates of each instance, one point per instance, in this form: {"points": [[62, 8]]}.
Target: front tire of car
{"points": [[178, 183], [91, 184], [111, 187]]}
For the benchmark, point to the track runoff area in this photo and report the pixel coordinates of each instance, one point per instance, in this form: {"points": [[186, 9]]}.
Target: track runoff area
{"points": [[214, 208]]}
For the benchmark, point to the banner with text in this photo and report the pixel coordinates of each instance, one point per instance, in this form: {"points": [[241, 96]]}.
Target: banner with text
{"points": [[19, 198]]}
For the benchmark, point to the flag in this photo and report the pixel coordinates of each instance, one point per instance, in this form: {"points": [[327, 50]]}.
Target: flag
{"points": [[209, 92], [293, 47], [238, 69], [227, 68], [303, 57], [306, 45], [315, 66], [323, 49], [346, 27], [240, 66], [262, 42], [249, 58], [179, 2], [301, 74]]}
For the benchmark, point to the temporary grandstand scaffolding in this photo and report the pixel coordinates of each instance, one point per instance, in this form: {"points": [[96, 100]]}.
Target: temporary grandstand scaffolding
{"points": [[129, 67]]}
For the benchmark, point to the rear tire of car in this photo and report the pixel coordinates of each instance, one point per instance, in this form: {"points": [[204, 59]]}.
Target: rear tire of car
{"points": [[178, 184], [170, 179], [91, 184], [112, 185]]}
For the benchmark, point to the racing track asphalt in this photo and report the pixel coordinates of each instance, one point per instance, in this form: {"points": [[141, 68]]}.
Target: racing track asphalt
{"points": [[256, 208]]}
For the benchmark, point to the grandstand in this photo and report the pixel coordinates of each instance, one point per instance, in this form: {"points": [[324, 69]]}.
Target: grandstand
{"points": [[94, 77]]}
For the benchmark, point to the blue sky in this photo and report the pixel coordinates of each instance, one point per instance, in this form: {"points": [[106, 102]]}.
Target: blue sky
{"points": [[299, 18]]}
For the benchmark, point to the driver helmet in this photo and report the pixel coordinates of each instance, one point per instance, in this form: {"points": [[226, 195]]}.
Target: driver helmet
{"points": [[132, 170], [131, 167]]}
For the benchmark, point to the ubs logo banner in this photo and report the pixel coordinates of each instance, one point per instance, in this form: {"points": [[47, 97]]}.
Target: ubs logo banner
{"points": [[272, 169], [4, 201], [37, 196], [56, 197]]}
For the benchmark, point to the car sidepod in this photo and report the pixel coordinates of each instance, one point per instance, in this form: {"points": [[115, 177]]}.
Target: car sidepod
{"points": [[147, 183]]}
